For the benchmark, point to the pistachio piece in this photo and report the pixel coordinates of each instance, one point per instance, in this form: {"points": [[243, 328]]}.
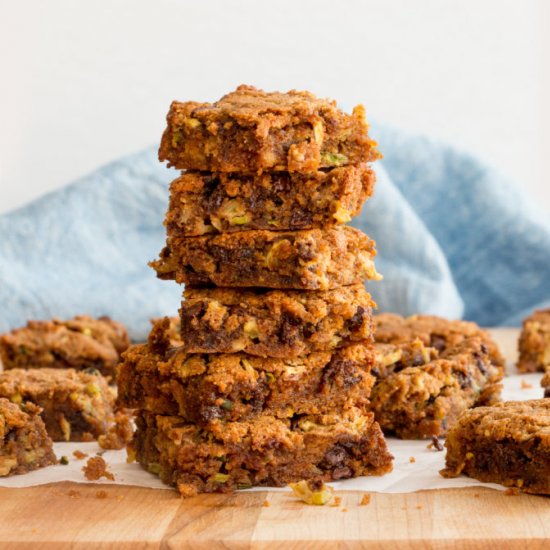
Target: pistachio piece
{"points": [[234, 211], [333, 159], [250, 328], [92, 389], [227, 405], [312, 493], [342, 215], [16, 398], [154, 468], [192, 122]]}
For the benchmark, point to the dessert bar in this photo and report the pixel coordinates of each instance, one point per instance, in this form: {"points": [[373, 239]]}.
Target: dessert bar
{"points": [[312, 259], [265, 451], [203, 202], [249, 131], [24, 443], [508, 443]]}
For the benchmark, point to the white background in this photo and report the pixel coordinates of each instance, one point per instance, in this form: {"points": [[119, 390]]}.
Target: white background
{"points": [[85, 82]]}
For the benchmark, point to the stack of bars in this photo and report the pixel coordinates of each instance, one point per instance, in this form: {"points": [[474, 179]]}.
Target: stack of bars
{"points": [[267, 381]]}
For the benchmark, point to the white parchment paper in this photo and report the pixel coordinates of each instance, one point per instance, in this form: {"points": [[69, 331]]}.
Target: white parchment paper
{"points": [[416, 467]]}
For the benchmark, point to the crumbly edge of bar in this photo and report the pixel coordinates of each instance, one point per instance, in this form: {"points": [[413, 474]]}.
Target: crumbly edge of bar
{"points": [[24, 443], [81, 342], [76, 405], [420, 393], [534, 343]]}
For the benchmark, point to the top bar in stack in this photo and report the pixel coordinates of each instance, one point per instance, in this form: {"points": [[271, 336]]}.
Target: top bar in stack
{"points": [[250, 131]]}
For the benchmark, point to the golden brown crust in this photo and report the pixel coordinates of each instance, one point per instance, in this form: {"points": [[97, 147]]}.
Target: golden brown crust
{"points": [[250, 130], [508, 443], [266, 451], [202, 203], [76, 405], [24, 443], [312, 259], [275, 323], [432, 331], [534, 343], [80, 343], [428, 371]]}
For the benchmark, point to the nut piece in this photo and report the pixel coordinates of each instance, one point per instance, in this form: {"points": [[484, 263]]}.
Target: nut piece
{"points": [[312, 492]]}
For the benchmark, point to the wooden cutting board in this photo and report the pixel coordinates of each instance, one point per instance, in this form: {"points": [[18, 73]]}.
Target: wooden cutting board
{"points": [[72, 515]]}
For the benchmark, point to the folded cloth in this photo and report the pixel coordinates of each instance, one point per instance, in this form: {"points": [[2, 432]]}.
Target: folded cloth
{"points": [[454, 239]]}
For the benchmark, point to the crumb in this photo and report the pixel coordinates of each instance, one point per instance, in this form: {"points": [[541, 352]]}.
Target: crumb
{"points": [[73, 494], [524, 385], [313, 491], [119, 434], [344, 509], [79, 455], [365, 500], [418, 506], [512, 492], [436, 444], [412, 460], [95, 468], [64, 460], [101, 494], [87, 437], [266, 504], [336, 502]]}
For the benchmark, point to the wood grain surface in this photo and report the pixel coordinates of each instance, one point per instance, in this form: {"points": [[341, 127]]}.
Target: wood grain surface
{"points": [[68, 515]]}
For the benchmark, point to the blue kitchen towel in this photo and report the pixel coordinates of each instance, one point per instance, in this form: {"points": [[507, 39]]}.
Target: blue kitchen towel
{"points": [[454, 239]]}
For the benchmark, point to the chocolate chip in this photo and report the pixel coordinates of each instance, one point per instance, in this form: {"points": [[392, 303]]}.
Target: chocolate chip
{"points": [[343, 372], [335, 456], [438, 342], [159, 338], [299, 219], [481, 365], [315, 484], [436, 443], [465, 380], [305, 250], [342, 473], [358, 319], [291, 329], [279, 184]]}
